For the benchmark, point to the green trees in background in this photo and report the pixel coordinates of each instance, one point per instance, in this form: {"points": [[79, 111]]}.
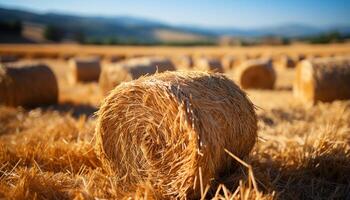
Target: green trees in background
{"points": [[11, 27], [53, 33]]}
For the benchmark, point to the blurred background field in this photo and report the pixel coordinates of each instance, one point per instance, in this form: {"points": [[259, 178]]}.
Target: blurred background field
{"points": [[303, 147]]}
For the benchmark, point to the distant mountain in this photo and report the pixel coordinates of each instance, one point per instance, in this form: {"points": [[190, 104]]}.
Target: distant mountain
{"points": [[147, 30]]}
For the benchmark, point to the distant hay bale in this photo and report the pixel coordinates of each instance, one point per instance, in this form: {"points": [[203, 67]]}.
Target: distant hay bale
{"points": [[284, 62], [114, 74], [27, 85], [184, 62], [8, 58], [229, 62], [209, 64], [84, 70], [322, 79], [256, 74], [165, 128]]}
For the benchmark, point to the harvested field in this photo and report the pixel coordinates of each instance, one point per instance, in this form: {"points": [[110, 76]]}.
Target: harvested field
{"points": [[301, 152]]}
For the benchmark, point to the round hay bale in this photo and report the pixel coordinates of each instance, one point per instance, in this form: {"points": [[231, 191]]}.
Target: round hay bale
{"points": [[284, 62], [209, 64], [84, 70], [114, 74], [8, 58], [322, 79], [27, 85], [167, 128], [184, 62], [229, 62], [256, 74]]}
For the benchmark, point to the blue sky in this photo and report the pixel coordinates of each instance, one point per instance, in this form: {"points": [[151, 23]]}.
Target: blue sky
{"points": [[218, 13]]}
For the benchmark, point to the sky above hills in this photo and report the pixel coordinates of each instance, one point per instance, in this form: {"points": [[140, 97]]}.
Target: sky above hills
{"points": [[219, 13]]}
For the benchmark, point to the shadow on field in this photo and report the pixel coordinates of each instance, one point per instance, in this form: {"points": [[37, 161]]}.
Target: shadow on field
{"points": [[75, 109]]}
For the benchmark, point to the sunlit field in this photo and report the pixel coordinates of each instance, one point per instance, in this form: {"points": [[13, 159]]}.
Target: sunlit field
{"points": [[49, 152]]}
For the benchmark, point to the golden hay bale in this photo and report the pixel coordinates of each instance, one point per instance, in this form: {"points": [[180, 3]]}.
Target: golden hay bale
{"points": [[184, 62], [84, 70], [322, 79], [165, 128], [114, 74], [284, 61], [27, 85], [228, 62], [8, 58], [208, 64], [256, 74]]}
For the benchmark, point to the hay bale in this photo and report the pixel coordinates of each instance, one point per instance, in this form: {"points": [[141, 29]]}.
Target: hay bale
{"points": [[229, 62], [184, 62], [165, 128], [322, 79], [114, 74], [27, 85], [84, 70], [256, 74], [8, 58], [284, 62], [209, 64]]}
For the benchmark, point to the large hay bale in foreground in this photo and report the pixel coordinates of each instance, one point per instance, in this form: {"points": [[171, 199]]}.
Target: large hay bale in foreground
{"points": [[165, 128], [209, 64], [113, 75], [84, 70], [27, 85], [256, 74], [322, 79]]}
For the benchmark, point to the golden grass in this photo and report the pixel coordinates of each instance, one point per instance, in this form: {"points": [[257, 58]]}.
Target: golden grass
{"points": [[302, 153]]}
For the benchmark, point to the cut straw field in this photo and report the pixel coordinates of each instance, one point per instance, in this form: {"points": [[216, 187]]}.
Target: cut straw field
{"points": [[50, 152]]}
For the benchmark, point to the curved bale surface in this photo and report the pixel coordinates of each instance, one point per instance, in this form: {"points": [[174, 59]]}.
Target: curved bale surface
{"points": [[209, 64], [84, 70], [27, 85], [113, 75], [167, 128], [322, 79], [256, 74]]}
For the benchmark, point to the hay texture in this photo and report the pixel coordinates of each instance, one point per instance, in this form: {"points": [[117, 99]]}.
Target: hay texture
{"points": [[209, 64], [167, 128], [322, 79], [114, 74], [256, 74], [84, 70], [27, 85]]}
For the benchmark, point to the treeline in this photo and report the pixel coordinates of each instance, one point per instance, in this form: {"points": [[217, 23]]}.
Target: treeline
{"points": [[11, 27]]}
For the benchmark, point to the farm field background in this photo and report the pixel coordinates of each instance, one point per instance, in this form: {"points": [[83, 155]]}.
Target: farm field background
{"points": [[302, 152]]}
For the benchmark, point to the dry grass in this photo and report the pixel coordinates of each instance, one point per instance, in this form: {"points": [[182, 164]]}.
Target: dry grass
{"points": [[302, 153]]}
